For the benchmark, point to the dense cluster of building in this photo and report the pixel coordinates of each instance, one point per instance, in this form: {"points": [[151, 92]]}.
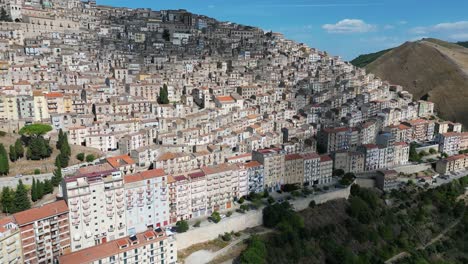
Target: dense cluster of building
{"points": [[248, 111]]}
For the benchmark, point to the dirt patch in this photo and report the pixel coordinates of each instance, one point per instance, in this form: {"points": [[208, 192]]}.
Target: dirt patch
{"points": [[213, 246]]}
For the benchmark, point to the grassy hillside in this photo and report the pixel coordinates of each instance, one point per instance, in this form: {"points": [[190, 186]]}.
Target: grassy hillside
{"points": [[368, 228], [363, 60], [429, 68]]}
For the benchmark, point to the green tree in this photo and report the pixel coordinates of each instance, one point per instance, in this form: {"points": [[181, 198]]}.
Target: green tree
{"points": [[35, 130], [48, 187], [19, 149], [34, 190], [256, 252], [38, 149], [80, 156], [8, 200], [4, 15], [182, 226], [163, 95], [22, 201], [166, 35], [90, 158], [57, 178], [39, 189], [215, 217], [4, 165], [13, 156]]}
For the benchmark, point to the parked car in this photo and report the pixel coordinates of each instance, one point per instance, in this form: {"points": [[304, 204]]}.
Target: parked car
{"points": [[222, 216]]}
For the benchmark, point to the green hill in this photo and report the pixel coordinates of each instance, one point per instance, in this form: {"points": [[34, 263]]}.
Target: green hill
{"points": [[463, 43], [365, 59]]}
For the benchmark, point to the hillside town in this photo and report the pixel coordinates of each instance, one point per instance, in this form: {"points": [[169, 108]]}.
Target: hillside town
{"points": [[191, 114]]}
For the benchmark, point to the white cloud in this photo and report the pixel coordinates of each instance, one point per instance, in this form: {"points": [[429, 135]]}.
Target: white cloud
{"points": [[459, 27], [388, 27], [349, 26], [402, 22], [459, 36]]}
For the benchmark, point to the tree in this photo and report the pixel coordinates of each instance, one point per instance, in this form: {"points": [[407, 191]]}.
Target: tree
{"points": [[4, 165], [215, 217], [34, 190], [60, 140], [163, 95], [19, 149], [13, 156], [39, 190], [62, 160], [4, 16], [338, 172], [166, 35], [80, 156], [35, 130], [182, 226], [48, 188], [57, 178], [38, 149], [22, 201], [256, 252], [8, 205], [90, 158]]}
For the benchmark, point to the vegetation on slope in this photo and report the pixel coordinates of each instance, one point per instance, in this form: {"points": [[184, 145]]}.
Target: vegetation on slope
{"points": [[368, 228], [463, 43], [363, 60]]}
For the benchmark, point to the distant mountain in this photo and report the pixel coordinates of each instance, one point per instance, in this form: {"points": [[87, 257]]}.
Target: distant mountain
{"points": [[365, 59], [429, 68]]}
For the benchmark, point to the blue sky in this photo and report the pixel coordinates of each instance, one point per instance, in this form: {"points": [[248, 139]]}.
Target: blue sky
{"points": [[341, 27]]}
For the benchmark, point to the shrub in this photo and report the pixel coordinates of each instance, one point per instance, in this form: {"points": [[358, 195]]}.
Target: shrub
{"points": [[244, 207], [226, 237], [241, 200], [80, 156], [270, 200], [90, 158], [312, 204], [2, 133], [37, 171], [228, 214], [215, 217], [290, 187], [197, 224], [432, 151], [182, 226], [326, 188]]}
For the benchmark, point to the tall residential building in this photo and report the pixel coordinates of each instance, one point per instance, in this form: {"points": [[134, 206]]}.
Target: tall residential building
{"points": [[10, 241], [147, 200], [151, 246], [273, 163], [97, 206], [45, 233], [349, 161], [256, 176], [179, 198], [198, 194], [326, 169], [342, 138], [311, 168], [294, 169], [221, 186]]}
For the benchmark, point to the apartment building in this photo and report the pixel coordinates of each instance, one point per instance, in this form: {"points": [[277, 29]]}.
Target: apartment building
{"points": [[452, 142], [45, 233], [453, 163], [273, 164], [311, 168], [349, 161], [198, 195], [341, 138], [11, 250], [151, 246], [294, 169], [221, 186], [179, 198], [255, 176], [97, 206], [326, 170], [421, 129], [147, 200]]}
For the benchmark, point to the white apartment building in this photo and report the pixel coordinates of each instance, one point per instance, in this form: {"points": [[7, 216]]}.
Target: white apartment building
{"points": [[147, 203], [95, 196], [151, 246]]}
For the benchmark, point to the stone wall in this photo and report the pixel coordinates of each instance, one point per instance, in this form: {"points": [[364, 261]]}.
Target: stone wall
{"points": [[238, 222]]}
